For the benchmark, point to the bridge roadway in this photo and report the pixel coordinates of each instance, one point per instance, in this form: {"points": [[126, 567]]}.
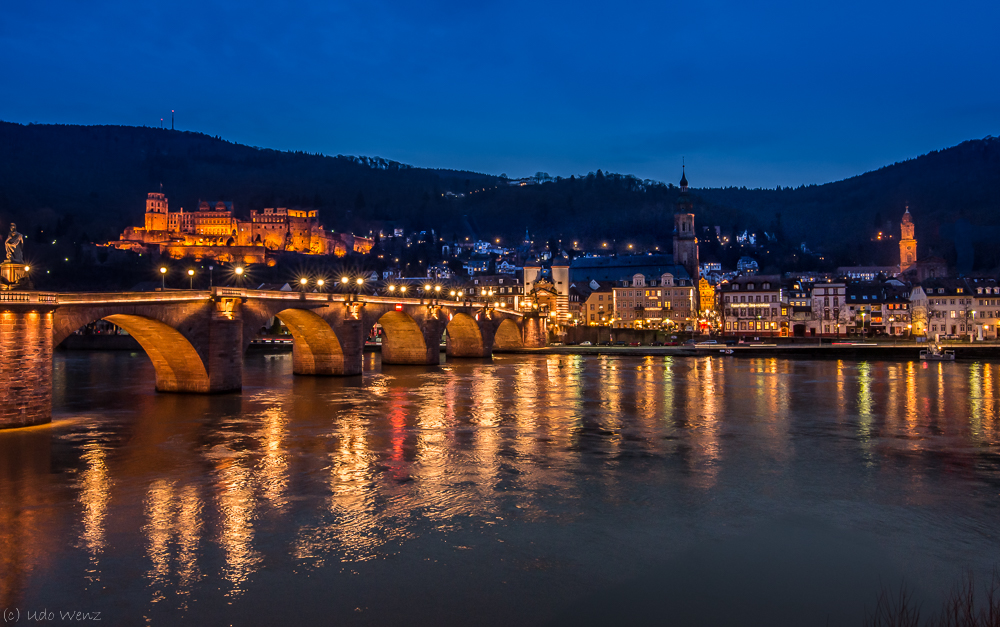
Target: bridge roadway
{"points": [[196, 339]]}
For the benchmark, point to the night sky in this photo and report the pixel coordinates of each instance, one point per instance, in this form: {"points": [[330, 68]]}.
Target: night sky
{"points": [[750, 93]]}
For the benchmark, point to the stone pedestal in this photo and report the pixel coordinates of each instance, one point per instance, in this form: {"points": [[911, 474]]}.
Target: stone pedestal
{"points": [[14, 274], [25, 368]]}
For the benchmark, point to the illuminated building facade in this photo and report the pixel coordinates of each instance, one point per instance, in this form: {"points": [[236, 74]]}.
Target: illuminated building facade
{"points": [[646, 303], [752, 306], [214, 232]]}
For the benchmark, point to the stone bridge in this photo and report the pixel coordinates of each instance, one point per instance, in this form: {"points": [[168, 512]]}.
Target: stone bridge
{"points": [[197, 339]]}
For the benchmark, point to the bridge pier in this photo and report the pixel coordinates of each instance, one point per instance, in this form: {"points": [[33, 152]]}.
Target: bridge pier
{"points": [[25, 367], [535, 331], [224, 350]]}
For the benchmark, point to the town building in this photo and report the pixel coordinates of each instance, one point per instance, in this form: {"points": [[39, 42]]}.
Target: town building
{"points": [[867, 273], [798, 300], [957, 308], [505, 290], [752, 306], [829, 309], [706, 296], [598, 308], [878, 308], [654, 303]]}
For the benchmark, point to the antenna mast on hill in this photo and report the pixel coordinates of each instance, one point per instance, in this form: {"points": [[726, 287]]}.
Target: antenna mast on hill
{"points": [[171, 119]]}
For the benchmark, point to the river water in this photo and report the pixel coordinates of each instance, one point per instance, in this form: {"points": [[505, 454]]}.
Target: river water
{"points": [[526, 490]]}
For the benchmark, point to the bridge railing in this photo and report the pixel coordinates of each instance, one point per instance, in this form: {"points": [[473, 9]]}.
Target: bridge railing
{"points": [[177, 296], [28, 297], [93, 298]]}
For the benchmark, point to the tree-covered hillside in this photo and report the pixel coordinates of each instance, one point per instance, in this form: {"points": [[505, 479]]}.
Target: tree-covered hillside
{"points": [[88, 183]]}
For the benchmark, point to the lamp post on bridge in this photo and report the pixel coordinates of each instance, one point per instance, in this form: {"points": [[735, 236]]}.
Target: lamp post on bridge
{"points": [[163, 278], [191, 278]]}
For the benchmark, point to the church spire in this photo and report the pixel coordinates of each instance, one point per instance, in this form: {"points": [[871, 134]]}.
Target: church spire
{"points": [[684, 180]]}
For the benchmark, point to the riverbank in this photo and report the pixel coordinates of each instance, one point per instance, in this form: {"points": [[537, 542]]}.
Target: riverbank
{"points": [[859, 350]]}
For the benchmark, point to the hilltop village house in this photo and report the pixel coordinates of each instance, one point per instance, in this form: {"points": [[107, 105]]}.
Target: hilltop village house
{"points": [[214, 232]]}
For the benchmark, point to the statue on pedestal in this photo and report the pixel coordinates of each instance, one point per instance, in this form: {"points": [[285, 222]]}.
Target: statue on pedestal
{"points": [[14, 245], [13, 271]]}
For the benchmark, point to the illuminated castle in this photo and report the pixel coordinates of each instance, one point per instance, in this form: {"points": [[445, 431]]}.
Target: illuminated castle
{"points": [[213, 232]]}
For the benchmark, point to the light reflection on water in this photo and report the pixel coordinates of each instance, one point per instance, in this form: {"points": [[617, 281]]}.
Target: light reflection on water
{"points": [[530, 485]]}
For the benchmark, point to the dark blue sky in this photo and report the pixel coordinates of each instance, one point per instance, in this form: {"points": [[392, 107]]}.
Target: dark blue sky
{"points": [[751, 93]]}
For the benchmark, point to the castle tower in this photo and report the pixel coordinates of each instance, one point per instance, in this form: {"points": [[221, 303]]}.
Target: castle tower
{"points": [[156, 212], [907, 245]]}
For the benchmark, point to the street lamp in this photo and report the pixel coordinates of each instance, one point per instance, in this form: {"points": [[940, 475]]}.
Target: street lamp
{"points": [[320, 283], [163, 278], [210, 274], [402, 289], [191, 278]]}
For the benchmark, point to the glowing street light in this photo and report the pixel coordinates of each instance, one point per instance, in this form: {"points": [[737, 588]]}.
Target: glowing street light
{"points": [[403, 289], [361, 281], [320, 283], [392, 288], [191, 278], [163, 278]]}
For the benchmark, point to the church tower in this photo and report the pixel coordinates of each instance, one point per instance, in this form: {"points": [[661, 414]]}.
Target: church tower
{"points": [[685, 242], [156, 211], [907, 245]]}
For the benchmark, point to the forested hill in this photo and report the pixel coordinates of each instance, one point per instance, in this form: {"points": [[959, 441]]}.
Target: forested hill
{"points": [[91, 182], [99, 176], [953, 195]]}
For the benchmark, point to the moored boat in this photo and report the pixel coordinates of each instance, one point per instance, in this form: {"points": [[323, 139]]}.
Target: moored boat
{"points": [[935, 353]]}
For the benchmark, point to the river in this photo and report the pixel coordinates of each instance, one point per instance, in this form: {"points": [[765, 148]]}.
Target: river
{"points": [[526, 490]]}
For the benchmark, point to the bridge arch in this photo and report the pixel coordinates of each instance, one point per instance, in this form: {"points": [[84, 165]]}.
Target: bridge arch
{"points": [[404, 341], [465, 338], [178, 366], [508, 336], [316, 349]]}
